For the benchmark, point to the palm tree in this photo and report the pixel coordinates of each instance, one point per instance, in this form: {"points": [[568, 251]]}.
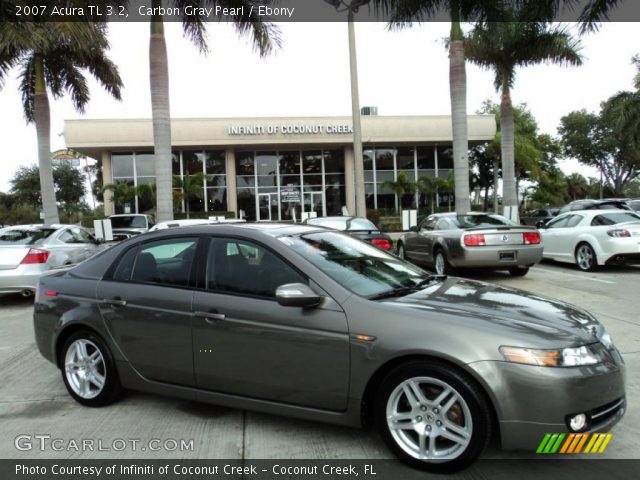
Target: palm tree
{"points": [[191, 186], [401, 186], [504, 46], [265, 37], [429, 186], [122, 192], [448, 186], [403, 13], [51, 58]]}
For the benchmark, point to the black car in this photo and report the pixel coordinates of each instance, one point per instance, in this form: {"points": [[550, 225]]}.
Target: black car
{"points": [[634, 204], [361, 228], [591, 204], [540, 215]]}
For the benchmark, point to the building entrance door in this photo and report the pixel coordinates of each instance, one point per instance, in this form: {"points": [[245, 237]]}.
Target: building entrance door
{"points": [[314, 202], [268, 206]]}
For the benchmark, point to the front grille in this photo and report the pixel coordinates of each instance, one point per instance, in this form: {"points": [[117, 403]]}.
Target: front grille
{"points": [[606, 412]]}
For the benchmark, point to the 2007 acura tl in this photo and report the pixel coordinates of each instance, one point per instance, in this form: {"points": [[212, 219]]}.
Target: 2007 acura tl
{"points": [[301, 321]]}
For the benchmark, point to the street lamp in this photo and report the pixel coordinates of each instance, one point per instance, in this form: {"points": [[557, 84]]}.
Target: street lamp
{"points": [[351, 8]]}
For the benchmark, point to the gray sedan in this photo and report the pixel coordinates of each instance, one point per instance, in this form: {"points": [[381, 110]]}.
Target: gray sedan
{"points": [[447, 241], [28, 251], [314, 324]]}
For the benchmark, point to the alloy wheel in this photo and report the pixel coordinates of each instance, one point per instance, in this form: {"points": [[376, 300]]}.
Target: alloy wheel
{"points": [[585, 257], [429, 420], [440, 263], [85, 368]]}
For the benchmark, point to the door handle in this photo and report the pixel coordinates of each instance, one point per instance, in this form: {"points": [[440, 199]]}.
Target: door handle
{"points": [[115, 302], [210, 317]]}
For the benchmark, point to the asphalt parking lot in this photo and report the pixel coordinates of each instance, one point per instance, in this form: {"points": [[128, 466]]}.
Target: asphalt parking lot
{"points": [[33, 399]]}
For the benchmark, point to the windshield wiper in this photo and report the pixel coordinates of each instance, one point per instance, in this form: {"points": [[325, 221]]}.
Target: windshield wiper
{"points": [[400, 291]]}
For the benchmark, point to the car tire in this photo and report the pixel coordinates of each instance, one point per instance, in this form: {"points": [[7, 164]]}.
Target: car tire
{"points": [[518, 271], [401, 251], [88, 370], [441, 263], [432, 416], [586, 259]]}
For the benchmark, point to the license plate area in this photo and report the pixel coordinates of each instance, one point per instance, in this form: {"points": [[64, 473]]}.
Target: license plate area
{"points": [[507, 256]]}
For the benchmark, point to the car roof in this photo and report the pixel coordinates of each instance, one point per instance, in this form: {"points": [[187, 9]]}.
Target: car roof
{"points": [[595, 213], [274, 229]]}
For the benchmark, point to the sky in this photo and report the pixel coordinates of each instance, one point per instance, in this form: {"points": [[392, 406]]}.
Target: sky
{"points": [[402, 73]]}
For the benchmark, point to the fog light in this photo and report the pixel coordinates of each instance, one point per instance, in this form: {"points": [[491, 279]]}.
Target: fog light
{"points": [[578, 422]]}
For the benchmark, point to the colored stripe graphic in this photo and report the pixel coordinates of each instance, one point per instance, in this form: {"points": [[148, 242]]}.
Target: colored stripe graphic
{"points": [[574, 443]]}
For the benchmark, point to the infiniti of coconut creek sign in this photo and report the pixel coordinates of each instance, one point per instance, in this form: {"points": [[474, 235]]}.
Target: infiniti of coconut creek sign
{"points": [[292, 129]]}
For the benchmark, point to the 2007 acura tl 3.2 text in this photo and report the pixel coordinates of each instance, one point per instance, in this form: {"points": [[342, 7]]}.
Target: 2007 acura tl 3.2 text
{"points": [[301, 321]]}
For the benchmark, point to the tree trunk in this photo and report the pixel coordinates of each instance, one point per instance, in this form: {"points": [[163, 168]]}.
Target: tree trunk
{"points": [[458, 91], [496, 177], [159, 81], [485, 205], [358, 170], [509, 194], [42, 120]]}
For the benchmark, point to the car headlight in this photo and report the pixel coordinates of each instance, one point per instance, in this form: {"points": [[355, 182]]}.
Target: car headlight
{"points": [[564, 357]]}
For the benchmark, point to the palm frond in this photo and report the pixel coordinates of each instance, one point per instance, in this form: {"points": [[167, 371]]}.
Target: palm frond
{"points": [[594, 13], [27, 86]]}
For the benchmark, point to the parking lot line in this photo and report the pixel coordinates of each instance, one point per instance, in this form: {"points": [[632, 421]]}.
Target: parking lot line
{"points": [[575, 276]]}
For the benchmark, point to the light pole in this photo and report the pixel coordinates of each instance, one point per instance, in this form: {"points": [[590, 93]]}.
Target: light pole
{"points": [[358, 167]]}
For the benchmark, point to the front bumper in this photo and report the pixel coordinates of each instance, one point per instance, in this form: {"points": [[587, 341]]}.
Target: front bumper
{"points": [[23, 277], [533, 401], [494, 256]]}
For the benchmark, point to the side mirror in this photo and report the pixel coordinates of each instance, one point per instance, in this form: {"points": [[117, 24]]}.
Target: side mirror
{"points": [[414, 229], [297, 295], [541, 224]]}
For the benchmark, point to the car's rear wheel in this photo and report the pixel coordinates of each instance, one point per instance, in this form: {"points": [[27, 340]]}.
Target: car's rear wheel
{"points": [[586, 259], [441, 264], [519, 271], [88, 370], [401, 252], [432, 416]]}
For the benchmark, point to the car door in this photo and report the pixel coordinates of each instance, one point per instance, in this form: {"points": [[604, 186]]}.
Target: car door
{"points": [[567, 236], [146, 305], [417, 249], [245, 343], [552, 236]]}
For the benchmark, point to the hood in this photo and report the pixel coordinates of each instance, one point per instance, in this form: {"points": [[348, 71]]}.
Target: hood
{"points": [[508, 310]]}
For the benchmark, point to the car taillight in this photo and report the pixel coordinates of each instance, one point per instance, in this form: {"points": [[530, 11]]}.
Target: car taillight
{"points": [[474, 240], [531, 238], [382, 243], [35, 255], [618, 233]]}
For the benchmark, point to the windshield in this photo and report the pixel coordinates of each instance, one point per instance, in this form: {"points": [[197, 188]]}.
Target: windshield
{"points": [[357, 266], [24, 236], [474, 221], [130, 221], [344, 223]]}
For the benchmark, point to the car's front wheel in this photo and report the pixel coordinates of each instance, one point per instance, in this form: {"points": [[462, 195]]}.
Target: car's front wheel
{"points": [[88, 370], [432, 416], [586, 259]]}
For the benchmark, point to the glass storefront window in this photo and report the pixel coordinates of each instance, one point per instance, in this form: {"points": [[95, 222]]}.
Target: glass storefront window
{"points": [[335, 199], [367, 156], [244, 164], [445, 158], [290, 163], [192, 162], [216, 199], [405, 159], [122, 165], [333, 161], [247, 203], [311, 163], [215, 162], [267, 163], [384, 159], [312, 180], [267, 181], [175, 163], [426, 160], [145, 165]]}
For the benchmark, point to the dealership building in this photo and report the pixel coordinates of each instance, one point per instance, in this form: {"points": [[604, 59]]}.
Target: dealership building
{"points": [[275, 168]]}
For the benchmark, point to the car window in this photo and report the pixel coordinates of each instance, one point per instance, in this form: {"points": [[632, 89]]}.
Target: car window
{"points": [[635, 205], [614, 218], [165, 262], [244, 268], [559, 222], [66, 237], [129, 221], [357, 266], [125, 266], [443, 224], [429, 223], [473, 221], [24, 236], [574, 220], [81, 236]]}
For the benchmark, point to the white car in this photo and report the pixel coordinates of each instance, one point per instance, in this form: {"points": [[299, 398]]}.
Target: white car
{"points": [[193, 221], [591, 238]]}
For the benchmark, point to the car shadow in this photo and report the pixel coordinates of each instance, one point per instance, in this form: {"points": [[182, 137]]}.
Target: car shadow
{"points": [[15, 300]]}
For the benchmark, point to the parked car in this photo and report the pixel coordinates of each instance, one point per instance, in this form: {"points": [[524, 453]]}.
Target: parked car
{"points": [[315, 324], [446, 241], [361, 228], [539, 216], [28, 251], [634, 204], [127, 225], [191, 222], [592, 238]]}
